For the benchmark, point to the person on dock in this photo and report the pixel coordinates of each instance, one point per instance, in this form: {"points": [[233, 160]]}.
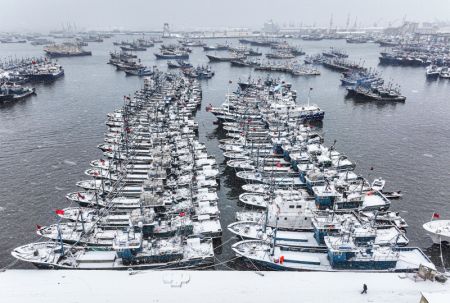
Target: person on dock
{"points": [[364, 289]]}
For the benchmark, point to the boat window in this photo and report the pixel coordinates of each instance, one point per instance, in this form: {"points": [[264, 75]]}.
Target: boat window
{"points": [[299, 206], [285, 218], [291, 206]]}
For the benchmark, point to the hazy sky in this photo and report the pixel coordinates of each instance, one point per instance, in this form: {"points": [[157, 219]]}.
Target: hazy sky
{"points": [[44, 15]]}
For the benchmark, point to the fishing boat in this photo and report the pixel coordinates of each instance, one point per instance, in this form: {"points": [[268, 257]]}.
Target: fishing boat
{"points": [[65, 50], [432, 72], [280, 55], [311, 240], [141, 72], [10, 92], [43, 72], [376, 94], [439, 231], [378, 184], [125, 253], [179, 64], [84, 233], [343, 254], [192, 43], [444, 73], [213, 58], [172, 55], [245, 63], [200, 72], [335, 53]]}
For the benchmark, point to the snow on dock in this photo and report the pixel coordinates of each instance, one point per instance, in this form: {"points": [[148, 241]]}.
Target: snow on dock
{"points": [[218, 286]]}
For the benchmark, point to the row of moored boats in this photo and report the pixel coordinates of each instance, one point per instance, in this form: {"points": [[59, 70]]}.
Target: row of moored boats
{"points": [[309, 209], [151, 201]]}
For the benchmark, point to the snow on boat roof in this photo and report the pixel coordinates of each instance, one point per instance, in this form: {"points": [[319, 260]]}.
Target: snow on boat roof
{"points": [[96, 256], [411, 258], [440, 227], [373, 200]]}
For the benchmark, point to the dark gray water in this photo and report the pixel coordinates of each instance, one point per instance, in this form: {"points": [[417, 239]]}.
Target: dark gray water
{"points": [[47, 141]]}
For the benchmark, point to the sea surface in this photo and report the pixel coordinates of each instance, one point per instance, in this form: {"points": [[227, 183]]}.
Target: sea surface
{"points": [[47, 141]]}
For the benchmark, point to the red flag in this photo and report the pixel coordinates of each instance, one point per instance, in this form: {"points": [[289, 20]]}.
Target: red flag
{"points": [[278, 164], [80, 196], [95, 173], [182, 214], [436, 216], [102, 161], [59, 212], [38, 227]]}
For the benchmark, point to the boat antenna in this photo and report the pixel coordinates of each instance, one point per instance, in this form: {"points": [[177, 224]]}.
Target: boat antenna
{"points": [[309, 95], [275, 234]]}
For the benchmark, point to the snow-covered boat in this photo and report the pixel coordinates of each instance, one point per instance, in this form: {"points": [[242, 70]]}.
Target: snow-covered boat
{"points": [[125, 253], [342, 255], [254, 200], [439, 231], [378, 184], [251, 215], [311, 239]]}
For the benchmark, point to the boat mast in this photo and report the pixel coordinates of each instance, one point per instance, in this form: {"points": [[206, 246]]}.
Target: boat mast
{"points": [[309, 95], [60, 238]]}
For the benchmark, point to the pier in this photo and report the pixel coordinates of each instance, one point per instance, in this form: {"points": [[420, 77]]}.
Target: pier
{"points": [[196, 286]]}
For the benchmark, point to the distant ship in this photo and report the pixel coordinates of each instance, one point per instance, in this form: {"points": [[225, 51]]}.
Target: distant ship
{"points": [[65, 50]]}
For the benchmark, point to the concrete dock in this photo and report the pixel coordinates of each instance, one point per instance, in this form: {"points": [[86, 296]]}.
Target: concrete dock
{"points": [[213, 286]]}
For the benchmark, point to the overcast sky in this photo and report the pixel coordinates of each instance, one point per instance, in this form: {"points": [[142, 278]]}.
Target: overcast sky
{"points": [[44, 15]]}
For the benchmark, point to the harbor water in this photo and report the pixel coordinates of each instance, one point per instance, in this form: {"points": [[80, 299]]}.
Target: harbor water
{"points": [[47, 141]]}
